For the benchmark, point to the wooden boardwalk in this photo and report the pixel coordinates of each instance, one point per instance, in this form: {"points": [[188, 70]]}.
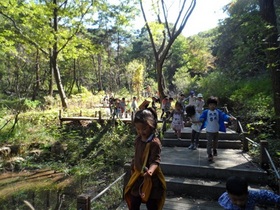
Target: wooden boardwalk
{"points": [[195, 183], [182, 203]]}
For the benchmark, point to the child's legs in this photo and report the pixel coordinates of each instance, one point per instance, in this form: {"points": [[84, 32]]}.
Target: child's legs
{"points": [[215, 140], [196, 137], [209, 137], [178, 133], [162, 113], [193, 136], [135, 202], [152, 204], [167, 114]]}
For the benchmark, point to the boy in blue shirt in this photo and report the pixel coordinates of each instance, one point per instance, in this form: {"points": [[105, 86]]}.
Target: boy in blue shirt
{"points": [[213, 120], [238, 197]]}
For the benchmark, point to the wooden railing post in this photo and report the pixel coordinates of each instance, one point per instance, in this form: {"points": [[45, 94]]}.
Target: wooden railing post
{"points": [[132, 116], [83, 202], [59, 116], [264, 159], [163, 124], [99, 115], [245, 142]]}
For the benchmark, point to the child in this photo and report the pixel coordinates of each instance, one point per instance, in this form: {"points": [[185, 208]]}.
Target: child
{"points": [[167, 107], [145, 122], [122, 107], [163, 102], [196, 126], [191, 98], [199, 103], [134, 105], [154, 101], [177, 116], [238, 196], [213, 120], [182, 99]]}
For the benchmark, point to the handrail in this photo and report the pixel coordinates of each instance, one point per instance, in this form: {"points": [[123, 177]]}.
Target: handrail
{"points": [[262, 146], [253, 142], [272, 164], [107, 188], [84, 201]]}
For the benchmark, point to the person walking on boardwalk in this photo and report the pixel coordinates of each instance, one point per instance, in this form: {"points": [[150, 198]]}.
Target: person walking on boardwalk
{"points": [[213, 120], [239, 197], [199, 103], [123, 108], [191, 98], [167, 107], [147, 182], [163, 103], [134, 105], [196, 126], [177, 116]]}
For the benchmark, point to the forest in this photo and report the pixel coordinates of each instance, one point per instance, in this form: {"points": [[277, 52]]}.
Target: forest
{"points": [[67, 55]]}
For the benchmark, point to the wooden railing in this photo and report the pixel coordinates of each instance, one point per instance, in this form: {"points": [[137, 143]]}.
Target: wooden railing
{"points": [[266, 162], [84, 201]]}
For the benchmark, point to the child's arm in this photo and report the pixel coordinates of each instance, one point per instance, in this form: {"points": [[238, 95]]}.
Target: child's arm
{"points": [[203, 116], [170, 116], [151, 169]]}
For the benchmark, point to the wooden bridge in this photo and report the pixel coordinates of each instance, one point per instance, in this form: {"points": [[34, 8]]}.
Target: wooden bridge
{"points": [[195, 183]]}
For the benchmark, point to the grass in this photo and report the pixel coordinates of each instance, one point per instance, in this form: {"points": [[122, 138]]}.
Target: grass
{"points": [[83, 156]]}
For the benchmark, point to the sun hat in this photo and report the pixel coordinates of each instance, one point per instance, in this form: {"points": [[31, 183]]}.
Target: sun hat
{"points": [[199, 95]]}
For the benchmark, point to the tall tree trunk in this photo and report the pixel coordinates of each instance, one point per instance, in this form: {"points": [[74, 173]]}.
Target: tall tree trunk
{"points": [[74, 79], [50, 75], [170, 33], [54, 56], [58, 81], [273, 55], [37, 71], [99, 60]]}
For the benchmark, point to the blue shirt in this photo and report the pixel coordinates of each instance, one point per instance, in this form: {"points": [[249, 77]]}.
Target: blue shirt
{"points": [[222, 118], [254, 197]]}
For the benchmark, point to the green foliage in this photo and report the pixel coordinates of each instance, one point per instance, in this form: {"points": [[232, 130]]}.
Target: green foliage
{"points": [[255, 96], [216, 84], [28, 104], [239, 45], [183, 80]]}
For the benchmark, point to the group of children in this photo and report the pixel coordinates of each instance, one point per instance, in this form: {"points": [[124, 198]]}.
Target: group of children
{"points": [[122, 108], [212, 119], [147, 183]]}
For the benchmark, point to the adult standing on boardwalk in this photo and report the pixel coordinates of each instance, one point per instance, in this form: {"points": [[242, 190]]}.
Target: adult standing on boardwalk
{"points": [[146, 173]]}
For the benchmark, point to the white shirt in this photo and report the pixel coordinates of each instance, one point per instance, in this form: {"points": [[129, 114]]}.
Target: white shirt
{"points": [[196, 126], [212, 121], [192, 100], [199, 105]]}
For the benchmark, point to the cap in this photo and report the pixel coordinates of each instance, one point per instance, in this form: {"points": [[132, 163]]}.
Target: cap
{"points": [[199, 95]]}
